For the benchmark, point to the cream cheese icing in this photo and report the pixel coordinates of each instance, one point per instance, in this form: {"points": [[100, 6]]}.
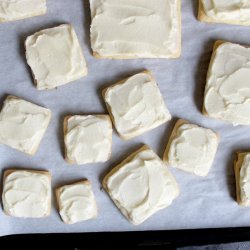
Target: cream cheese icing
{"points": [[244, 181], [141, 186], [88, 139], [192, 149], [227, 92], [136, 105], [77, 203], [23, 124], [118, 28], [224, 10], [27, 194], [11, 10], [55, 57]]}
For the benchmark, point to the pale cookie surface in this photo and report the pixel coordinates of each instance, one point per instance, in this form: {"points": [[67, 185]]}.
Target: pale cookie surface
{"points": [[88, 138], [141, 185], [244, 181], [27, 194], [23, 124], [227, 91], [76, 202], [136, 105], [192, 149], [229, 11], [55, 57], [19, 9], [145, 29]]}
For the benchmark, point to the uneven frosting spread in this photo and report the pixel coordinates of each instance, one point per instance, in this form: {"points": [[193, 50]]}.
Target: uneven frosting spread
{"points": [[142, 186], [136, 105], [23, 124], [193, 149], [88, 139], [11, 10], [55, 57], [118, 28], [27, 194], [244, 181], [227, 94], [77, 203], [228, 10]]}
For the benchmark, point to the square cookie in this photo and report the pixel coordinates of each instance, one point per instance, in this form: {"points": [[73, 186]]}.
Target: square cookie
{"points": [[26, 193], [229, 12], [23, 124], [141, 185], [242, 177], [55, 57], [227, 88], [191, 148], [136, 105], [19, 9], [88, 138], [76, 202], [125, 29]]}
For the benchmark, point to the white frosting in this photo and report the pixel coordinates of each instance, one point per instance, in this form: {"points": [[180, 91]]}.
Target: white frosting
{"points": [[77, 203], [193, 149], [27, 194], [55, 57], [227, 93], [23, 124], [136, 105], [244, 181], [142, 186], [88, 139], [125, 28], [11, 10], [236, 11]]}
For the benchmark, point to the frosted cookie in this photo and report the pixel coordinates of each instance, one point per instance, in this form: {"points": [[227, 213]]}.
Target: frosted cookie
{"points": [[23, 124], [191, 148], [227, 88], [123, 29], [225, 11], [76, 202], [26, 193], [141, 185], [19, 9], [242, 177], [136, 105], [88, 138], [55, 57]]}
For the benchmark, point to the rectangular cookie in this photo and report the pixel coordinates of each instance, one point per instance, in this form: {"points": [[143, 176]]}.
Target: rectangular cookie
{"points": [[23, 124], [242, 178], [87, 138], [159, 38], [55, 57], [26, 193], [191, 148], [228, 12], [76, 202], [20, 9], [134, 184], [227, 84], [136, 105]]}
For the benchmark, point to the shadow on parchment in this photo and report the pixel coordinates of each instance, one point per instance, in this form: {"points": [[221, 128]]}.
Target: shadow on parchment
{"points": [[201, 73], [87, 23]]}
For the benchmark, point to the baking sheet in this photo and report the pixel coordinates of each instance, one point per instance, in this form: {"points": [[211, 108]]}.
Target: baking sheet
{"points": [[204, 202]]}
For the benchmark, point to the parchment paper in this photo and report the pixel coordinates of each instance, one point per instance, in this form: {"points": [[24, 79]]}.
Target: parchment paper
{"points": [[204, 202]]}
